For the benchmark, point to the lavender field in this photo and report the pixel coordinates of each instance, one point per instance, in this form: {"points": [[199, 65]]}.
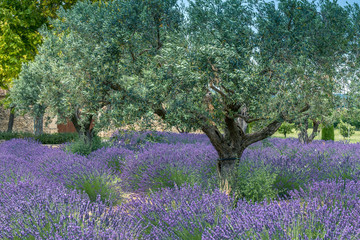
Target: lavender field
{"points": [[281, 190]]}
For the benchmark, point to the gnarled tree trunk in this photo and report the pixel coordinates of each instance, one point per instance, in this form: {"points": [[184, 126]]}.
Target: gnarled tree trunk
{"points": [[85, 131], [304, 138], [231, 145]]}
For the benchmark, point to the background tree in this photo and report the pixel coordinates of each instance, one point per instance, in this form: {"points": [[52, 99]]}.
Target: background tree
{"points": [[72, 67], [286, 128], [349, 107], [312, 37], [26, 91], [19, 36], [346, 130]]}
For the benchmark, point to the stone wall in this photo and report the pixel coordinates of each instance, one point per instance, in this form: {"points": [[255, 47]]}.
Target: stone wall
{"points": [[23, 123], [26, 124]]}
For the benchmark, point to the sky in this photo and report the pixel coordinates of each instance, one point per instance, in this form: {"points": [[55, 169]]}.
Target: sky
{"points": [[341, 2]]}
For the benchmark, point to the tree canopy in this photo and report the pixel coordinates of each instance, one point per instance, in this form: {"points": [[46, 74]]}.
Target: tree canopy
{"points": [[277, 65], [19, 36], [92, 57]]}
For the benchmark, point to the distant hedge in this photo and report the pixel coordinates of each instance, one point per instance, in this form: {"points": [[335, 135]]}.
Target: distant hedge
{"points": [[327, 133], [46, 138]]}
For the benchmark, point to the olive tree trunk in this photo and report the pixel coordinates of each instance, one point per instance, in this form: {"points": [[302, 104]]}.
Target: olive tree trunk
{"points": [[304, 137], [85, 131], [11, 120], [38, 125], [231, 144]]}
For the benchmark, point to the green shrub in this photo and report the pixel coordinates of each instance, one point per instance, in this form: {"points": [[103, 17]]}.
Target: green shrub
{"points": [[253, 184], [154, 138], [56, 138], [327, 133], [249, 128], [45, 138], [171, 176], [116, 163], [94, 186], [11, 135], [286, 128], [284, 183], [81, 147], [346, 130]]}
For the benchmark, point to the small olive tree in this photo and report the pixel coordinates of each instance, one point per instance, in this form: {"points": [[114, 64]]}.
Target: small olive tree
{"points": [[286, 128], [346, 130], [26, 91]]}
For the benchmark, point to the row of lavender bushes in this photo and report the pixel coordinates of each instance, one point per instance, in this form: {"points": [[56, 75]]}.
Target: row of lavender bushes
{"points": [[283, 190]]}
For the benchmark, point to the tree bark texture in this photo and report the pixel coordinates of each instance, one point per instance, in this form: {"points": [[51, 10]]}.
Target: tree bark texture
{"points": [[85, 131], [38, 125], [11, 120], [304, 138], [231, 145]]}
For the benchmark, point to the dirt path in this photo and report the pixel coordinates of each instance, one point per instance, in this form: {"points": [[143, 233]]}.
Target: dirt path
{"points": [[52, 145]]}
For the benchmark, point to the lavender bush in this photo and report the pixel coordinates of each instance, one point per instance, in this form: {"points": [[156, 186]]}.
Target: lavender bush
{"points": [[114, 157], [37, 209], [188, 213], [283, 190], [164, 165], [29, 158]]}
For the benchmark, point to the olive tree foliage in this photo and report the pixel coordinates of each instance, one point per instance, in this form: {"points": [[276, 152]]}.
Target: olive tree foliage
{"points": [[351, 92], [26, 91], [313, 37], [218, 75], [68, 72], [95, 57]]}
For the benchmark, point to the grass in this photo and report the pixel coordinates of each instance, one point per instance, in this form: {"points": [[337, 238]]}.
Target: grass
{"points": [[353, 139]]}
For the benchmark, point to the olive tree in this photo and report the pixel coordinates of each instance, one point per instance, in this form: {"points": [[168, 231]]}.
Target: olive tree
{"points": [[236, 63], [314, 37], [69, 72], [26, 91], [93, 59]]}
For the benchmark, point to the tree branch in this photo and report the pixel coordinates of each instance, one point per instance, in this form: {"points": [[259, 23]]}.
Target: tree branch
{"points": [[264, 133], [144, 51], [254, 120], [132, 55], [227, 90], [216, 138], [218, 90], [161, 112]]}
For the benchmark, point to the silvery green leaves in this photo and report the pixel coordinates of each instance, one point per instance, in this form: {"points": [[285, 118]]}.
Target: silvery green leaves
{"points": [[237, 62], [97, 55], [302, 49]]}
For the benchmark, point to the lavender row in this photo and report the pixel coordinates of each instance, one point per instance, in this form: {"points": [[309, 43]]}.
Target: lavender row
{"points": [[188, 213], [35, 193], [37, 209]]}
